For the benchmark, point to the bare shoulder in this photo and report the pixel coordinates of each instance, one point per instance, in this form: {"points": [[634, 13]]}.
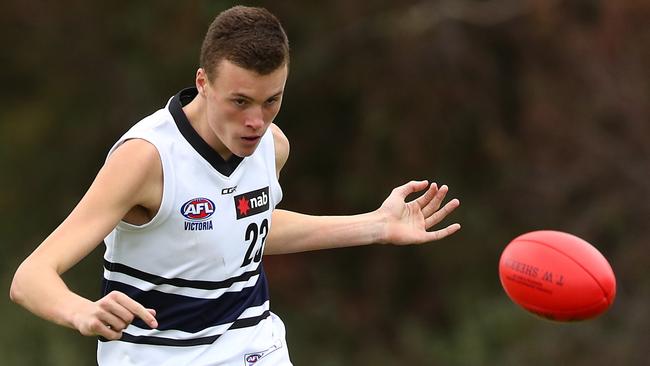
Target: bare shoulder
{"points": [[281, 147], [136, 152], [134, 169]]}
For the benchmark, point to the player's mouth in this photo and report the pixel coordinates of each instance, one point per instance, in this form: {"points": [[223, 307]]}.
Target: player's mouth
{"points": [[251, 139]]}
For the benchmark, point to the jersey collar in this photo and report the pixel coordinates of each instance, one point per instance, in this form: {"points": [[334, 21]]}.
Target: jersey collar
{"points": [[225, 167]]}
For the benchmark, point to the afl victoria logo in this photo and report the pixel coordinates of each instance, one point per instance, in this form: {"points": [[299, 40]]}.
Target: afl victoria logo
{"points": [[197, 209]]}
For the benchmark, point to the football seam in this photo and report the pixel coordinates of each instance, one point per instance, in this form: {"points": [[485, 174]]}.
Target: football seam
{"points": [[605, 294], [538, 310], [567, 311]]}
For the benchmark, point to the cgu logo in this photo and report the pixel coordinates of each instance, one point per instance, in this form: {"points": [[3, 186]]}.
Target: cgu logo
{"points": [[197, 209]]}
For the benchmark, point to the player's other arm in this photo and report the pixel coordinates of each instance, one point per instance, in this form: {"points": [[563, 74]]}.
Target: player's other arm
{"points": [[281, 143], [396, 221], [131, 177]]}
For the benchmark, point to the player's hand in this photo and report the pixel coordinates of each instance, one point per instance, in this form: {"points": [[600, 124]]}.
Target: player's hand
{"points": [[111, 314], [410, 222]]}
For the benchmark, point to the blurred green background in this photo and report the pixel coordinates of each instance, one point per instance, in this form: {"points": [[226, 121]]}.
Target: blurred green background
{"points": [[534, 112]]}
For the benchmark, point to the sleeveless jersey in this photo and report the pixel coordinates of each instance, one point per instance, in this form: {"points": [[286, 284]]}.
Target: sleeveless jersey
{"points": [[198, 262]]}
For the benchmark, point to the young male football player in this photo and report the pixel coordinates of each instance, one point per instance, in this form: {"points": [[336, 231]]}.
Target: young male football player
{"points": [[185, 205]]}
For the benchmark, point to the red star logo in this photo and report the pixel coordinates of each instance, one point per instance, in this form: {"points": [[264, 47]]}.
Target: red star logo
{"points": [[242, 205]]}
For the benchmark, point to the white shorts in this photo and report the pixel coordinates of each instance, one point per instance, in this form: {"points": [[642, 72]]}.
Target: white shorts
{"points": [[261, 345]]}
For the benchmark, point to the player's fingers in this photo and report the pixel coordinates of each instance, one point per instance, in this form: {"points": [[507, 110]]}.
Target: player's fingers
{"points": [[98, 327], [435, 202], [117, 309], [441, 214], [442, 233], [424, 199], [410, 187], [114, 323], [135, 308]]}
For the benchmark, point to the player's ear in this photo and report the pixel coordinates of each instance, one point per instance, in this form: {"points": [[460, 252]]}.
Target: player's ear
{"points": [[201, 81]]}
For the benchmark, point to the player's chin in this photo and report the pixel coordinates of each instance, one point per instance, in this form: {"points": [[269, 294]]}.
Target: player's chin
{"points": [[245, 149]]}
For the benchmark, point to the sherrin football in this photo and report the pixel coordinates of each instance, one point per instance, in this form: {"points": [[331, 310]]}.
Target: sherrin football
{"points": [[557, 275]]}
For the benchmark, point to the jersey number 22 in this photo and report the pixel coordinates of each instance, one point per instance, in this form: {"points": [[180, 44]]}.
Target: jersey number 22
{"points": [[253, 232]]}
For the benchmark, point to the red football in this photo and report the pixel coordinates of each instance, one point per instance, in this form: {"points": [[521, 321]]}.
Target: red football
{"points": [[557, 275]]}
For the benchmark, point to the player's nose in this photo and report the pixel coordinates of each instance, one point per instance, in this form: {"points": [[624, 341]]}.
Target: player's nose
{"points": [[255, 120]]}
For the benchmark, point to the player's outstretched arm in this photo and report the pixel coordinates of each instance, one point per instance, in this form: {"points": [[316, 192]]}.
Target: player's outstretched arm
{"points": [[396, 222], [127, 179]]}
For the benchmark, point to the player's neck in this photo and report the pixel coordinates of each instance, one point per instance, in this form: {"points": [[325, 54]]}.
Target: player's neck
{"points": [[196, 113]]}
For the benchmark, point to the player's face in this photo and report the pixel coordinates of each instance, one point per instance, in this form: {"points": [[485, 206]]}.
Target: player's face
{"points": [[241, 105]]}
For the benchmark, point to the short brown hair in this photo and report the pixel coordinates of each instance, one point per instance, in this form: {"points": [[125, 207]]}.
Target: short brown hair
{"points": [[249, 37]]}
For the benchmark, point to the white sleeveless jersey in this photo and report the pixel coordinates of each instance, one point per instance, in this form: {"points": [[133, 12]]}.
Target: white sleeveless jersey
{"points": [[198, 262]]}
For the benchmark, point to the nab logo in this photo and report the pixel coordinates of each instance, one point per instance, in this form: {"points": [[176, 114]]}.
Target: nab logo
{"points": [[252, 203], [197, 209]]}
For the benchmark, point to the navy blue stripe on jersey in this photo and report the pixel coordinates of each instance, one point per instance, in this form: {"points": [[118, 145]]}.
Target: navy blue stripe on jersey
{"points": [[162, 341], [191, 314], [225, 167], [178, 282]]}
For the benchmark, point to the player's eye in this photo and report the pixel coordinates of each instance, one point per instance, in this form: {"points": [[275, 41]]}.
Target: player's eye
{"points": [[272, 101], [240, 102]]}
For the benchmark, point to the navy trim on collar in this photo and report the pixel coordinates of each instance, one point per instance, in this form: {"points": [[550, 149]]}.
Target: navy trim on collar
{"points": [[225, 167]]}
